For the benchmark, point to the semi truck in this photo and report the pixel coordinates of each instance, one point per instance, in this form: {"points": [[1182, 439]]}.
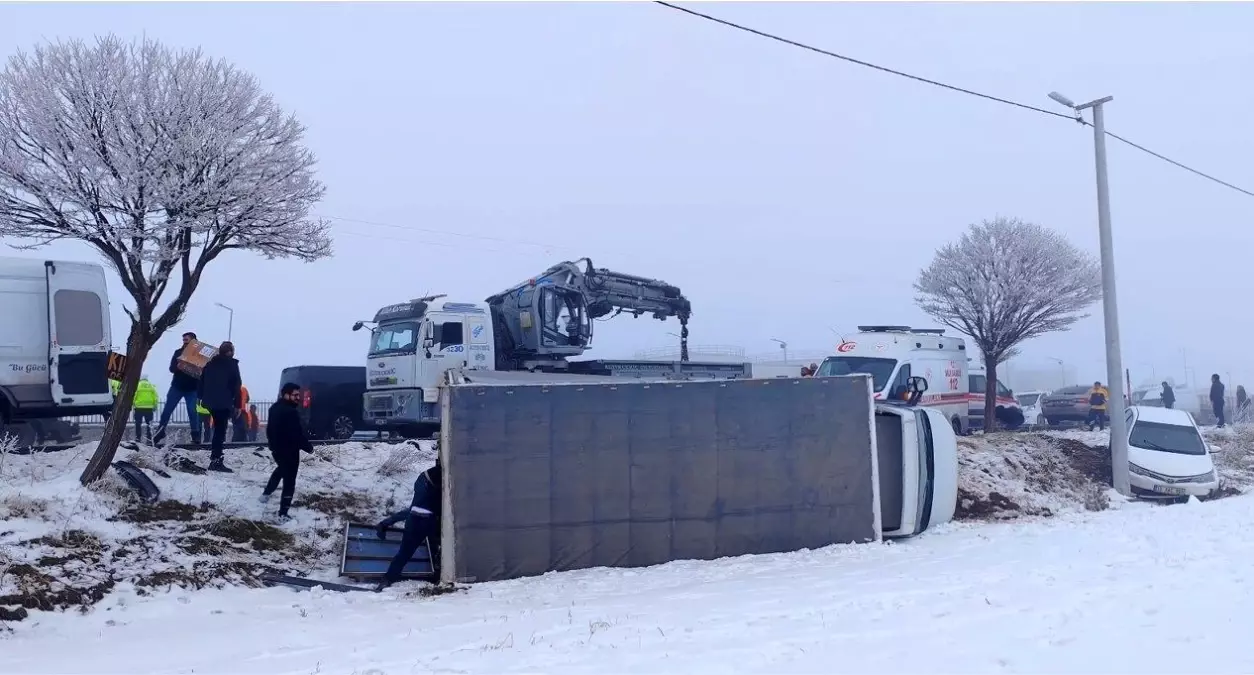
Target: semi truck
{"points": [[534, 327]]}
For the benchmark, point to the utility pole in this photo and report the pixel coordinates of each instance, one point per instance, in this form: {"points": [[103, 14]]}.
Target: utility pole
{"points": [[1110, 304], [230, 322]]}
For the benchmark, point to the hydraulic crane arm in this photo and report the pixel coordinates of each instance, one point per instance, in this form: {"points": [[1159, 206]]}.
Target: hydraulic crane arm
{"points": [[549, 317]]}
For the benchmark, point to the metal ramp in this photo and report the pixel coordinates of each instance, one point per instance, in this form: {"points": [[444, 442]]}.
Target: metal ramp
{"points": [[367, 557]]}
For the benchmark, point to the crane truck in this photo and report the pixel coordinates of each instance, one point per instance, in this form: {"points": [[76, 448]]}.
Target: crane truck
{"points": [[532, 329]]}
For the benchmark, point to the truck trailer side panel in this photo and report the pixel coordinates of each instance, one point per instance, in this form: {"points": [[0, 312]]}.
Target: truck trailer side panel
{"points": [[621, 473]]}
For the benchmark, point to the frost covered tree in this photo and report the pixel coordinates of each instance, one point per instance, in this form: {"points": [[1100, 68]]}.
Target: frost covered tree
{"points": [[1006, 281], [161, 160]]}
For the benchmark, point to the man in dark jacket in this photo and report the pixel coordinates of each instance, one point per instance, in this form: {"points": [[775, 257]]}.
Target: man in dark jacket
{"points": [[422, 522], [220, 394], [1168, 396], [182, 390], [286, 436], [1217, 398]]}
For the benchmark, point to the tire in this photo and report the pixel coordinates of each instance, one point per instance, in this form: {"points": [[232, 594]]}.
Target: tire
{"points": [[342, 428], [22, 433], [957, 425]]}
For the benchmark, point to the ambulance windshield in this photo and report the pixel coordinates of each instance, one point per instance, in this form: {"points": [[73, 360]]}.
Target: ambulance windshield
{"points": [[879, 369]]}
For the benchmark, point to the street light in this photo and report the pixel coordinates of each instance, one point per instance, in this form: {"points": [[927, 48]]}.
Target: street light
{"points": [[230, 320], [1114, 361], [784, 346], [1062, 370]]}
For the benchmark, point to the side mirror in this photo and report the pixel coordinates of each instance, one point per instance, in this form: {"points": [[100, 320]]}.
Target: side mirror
{"points": [[917, 385], [357, 326]]}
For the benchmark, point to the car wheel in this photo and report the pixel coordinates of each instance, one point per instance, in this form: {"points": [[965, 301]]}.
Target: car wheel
{"points": [[20, 434], [342, 428], [957, 425]]}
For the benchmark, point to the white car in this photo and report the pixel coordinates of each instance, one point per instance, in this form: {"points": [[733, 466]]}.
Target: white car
{"points": [[1167, 457], [1030, 402]]}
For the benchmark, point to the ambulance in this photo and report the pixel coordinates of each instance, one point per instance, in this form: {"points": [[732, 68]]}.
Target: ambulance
{"points": [[891, 355], [1009, 412]]}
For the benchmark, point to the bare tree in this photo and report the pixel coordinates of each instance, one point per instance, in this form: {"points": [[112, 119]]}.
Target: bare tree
{"points": [[1006, 281], [160, 160]]}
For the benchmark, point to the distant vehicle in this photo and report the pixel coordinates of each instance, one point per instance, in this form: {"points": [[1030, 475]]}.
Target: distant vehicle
{"points": [[1007, 410], [331, 403], [1031, 404], [1068, 404], [1167, 457], [54, 345], [891, 355], [1188, 400]]}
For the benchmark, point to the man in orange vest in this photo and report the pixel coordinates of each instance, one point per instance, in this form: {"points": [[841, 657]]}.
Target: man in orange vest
{"points": [[239, 424]]}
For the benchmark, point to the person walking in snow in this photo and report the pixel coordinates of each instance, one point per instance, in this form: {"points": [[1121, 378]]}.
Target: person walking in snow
{"points": [[422, 523], [145, 404], [1099, 396], [183, 388], [1242, 413], [254, 423], [219, 391], [1217, 399], [1168, 396], [286, 437]]}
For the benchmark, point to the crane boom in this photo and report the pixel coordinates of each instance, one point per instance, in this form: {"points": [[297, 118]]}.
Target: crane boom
{"points": [[546, 319]]}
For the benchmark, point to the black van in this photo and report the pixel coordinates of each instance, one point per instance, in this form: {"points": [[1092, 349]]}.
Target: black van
{"points": [[331, 401]]}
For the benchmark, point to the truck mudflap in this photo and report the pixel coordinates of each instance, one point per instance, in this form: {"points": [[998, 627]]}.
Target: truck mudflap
{"points": [[367, 557]]}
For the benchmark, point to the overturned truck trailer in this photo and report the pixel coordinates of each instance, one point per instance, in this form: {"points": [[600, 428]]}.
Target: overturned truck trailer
{"points": [[589, 472]]}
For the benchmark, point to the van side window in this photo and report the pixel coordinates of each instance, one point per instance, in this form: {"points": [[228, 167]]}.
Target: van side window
{"points": [[977, 384], [449, 333], [1002, 391], [79, 318]]}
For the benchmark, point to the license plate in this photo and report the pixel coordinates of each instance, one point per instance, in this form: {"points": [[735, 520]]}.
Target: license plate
{"points": [[1169, 490]]}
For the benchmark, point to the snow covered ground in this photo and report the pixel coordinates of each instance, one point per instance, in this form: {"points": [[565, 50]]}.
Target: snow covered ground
{"points": [[1083, 591], [1137, 588]]}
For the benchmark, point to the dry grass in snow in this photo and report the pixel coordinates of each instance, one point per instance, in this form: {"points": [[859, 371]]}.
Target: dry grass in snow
{"points": [[63, 546]]}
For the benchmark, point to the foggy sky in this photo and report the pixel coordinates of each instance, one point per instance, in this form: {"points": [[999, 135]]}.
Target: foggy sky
{"points": [[787, 194]]}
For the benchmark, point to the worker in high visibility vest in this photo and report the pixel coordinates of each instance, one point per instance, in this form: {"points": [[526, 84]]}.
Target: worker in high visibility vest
{"points": [[206, 419], [145, 404]]}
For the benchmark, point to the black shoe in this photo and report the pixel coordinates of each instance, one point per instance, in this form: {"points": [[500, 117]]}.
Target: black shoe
{"points": [[284, 518], [218, 466], [382, 585]]}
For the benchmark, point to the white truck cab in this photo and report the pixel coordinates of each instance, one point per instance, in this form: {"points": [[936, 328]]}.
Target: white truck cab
{"points": [[891, 355], [411, 346], [54, 343], [918, 468]]}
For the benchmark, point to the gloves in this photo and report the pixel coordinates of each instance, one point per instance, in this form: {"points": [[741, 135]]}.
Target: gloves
{"points": [[382, 529]]}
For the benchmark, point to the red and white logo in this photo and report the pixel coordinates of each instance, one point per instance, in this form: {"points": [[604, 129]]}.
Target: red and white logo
{"points": [[844, 347]]}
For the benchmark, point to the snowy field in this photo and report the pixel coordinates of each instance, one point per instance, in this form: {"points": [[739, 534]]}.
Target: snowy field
{"points": [[1138, 588], [1047, 572]]}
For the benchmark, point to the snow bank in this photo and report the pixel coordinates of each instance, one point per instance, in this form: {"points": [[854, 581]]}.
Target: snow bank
{"points": [[63, 546], [1009, 475]]}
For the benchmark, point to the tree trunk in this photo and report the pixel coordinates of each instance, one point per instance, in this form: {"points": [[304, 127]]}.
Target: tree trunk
{"points": [[990, 394], [137, 348]]}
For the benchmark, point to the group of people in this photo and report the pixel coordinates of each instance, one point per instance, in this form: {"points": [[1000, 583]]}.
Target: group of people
{"points": [[1099, 397]]}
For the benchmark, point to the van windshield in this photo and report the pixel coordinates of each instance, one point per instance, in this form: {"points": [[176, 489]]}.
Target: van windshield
{"points": [[880, 370], [394, 338], [1173, 438]]}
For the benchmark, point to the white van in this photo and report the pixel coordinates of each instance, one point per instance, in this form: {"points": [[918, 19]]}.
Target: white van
{"points": [[891, 355], [1167, 457], [54, 343]]}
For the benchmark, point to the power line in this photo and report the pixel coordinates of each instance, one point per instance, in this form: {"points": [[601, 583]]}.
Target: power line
{"points": [[865, 64], [942, 85]]}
